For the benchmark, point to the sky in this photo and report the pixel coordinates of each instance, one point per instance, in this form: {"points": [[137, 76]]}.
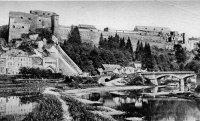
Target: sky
{"points": [[182, 16]]}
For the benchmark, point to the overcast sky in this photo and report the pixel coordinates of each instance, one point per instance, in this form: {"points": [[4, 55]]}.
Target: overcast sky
{"points": [[179, 16]]}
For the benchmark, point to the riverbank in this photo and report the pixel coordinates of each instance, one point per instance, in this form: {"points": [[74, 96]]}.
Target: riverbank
{"points": [[48, 108], [73, 109], [80, 92]]}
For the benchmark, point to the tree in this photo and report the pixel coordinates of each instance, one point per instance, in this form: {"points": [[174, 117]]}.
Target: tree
{"points": [[122, 44], [180, 53], [139, 51], [193, 66], [101, 41], [45, 33], [74, 36], [25, 46], [197, 56], [129, 45], [147, 58], [4, 32], [95, 57]]}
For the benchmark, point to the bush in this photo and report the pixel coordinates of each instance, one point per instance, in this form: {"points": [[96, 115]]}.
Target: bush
{"points": [[114, 76], [38, 73], [67, 79], [74, 84], [107, 80], [49, 108], [136, 81], [82, 112], [197, 89]]}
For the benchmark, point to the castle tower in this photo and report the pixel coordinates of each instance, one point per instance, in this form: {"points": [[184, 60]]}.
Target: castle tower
{"points": [[55, 24]]}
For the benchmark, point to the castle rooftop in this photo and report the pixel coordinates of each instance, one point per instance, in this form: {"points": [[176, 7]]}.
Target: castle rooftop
{"points": [[43, 13], [84, 26], [151, 28]]}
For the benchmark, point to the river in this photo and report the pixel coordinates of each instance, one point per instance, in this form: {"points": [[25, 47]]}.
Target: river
{"points": [[15, 106], [138, 105]]}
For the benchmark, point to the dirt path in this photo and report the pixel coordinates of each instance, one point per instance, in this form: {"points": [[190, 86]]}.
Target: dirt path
{"points": [[66, 114]]}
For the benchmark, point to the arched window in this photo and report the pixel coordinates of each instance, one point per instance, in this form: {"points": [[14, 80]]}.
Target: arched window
{"points": [[13, 26]]}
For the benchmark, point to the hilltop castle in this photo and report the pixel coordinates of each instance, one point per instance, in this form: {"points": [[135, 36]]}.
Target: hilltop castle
{"points": [[24, 23]]}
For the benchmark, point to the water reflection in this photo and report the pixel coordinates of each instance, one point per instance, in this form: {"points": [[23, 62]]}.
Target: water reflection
{"points": [[13, 108], [159, 108]]}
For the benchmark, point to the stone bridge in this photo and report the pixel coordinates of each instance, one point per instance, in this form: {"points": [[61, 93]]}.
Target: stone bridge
{"points": [[180, 75]]}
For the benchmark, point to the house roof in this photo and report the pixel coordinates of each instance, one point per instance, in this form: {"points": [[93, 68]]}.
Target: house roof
{"points": [[110, 67]]}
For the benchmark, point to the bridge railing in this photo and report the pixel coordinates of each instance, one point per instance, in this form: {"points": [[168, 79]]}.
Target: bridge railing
{"points": [[170, 72]]}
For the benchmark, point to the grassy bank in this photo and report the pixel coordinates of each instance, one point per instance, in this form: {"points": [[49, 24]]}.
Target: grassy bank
{"points": [[48, 109], [83, 112]]}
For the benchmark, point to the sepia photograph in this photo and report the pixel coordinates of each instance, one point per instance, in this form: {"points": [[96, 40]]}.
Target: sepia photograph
{"points": [[75, 60]]}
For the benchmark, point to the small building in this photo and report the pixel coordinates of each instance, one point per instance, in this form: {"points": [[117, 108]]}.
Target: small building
{"points": [[115, 69], [51, 63], [110, 68], [13, 60], [137, 64]]}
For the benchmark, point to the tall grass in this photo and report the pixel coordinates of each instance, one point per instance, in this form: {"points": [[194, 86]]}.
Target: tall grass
{"points": [[49, 108], [83, 112]]}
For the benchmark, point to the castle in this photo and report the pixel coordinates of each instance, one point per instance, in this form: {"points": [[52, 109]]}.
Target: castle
{"points": [[23, 23]]}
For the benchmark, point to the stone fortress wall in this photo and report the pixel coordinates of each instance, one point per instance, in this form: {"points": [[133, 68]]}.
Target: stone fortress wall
{"points": [[162, 37], [23, 23]]}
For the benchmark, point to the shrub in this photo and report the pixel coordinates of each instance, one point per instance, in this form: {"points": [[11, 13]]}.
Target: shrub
{"points": [[82, 112], [49, 108], [107, 80], [114, 76], [197, 89], [136, 81]]}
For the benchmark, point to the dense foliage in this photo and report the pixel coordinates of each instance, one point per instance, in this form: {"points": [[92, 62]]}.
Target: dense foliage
{"points": [[38, 73], [27, 46], [49, 108], [4, 32], [82, 112], [45, 33], [157, 59], [113, 50], [116, 50], [81, 82], [180, 53]]}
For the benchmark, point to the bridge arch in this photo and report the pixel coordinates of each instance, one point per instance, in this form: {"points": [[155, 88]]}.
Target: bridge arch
{"points": [[172, 75], [52, 69], [187, 76]]}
